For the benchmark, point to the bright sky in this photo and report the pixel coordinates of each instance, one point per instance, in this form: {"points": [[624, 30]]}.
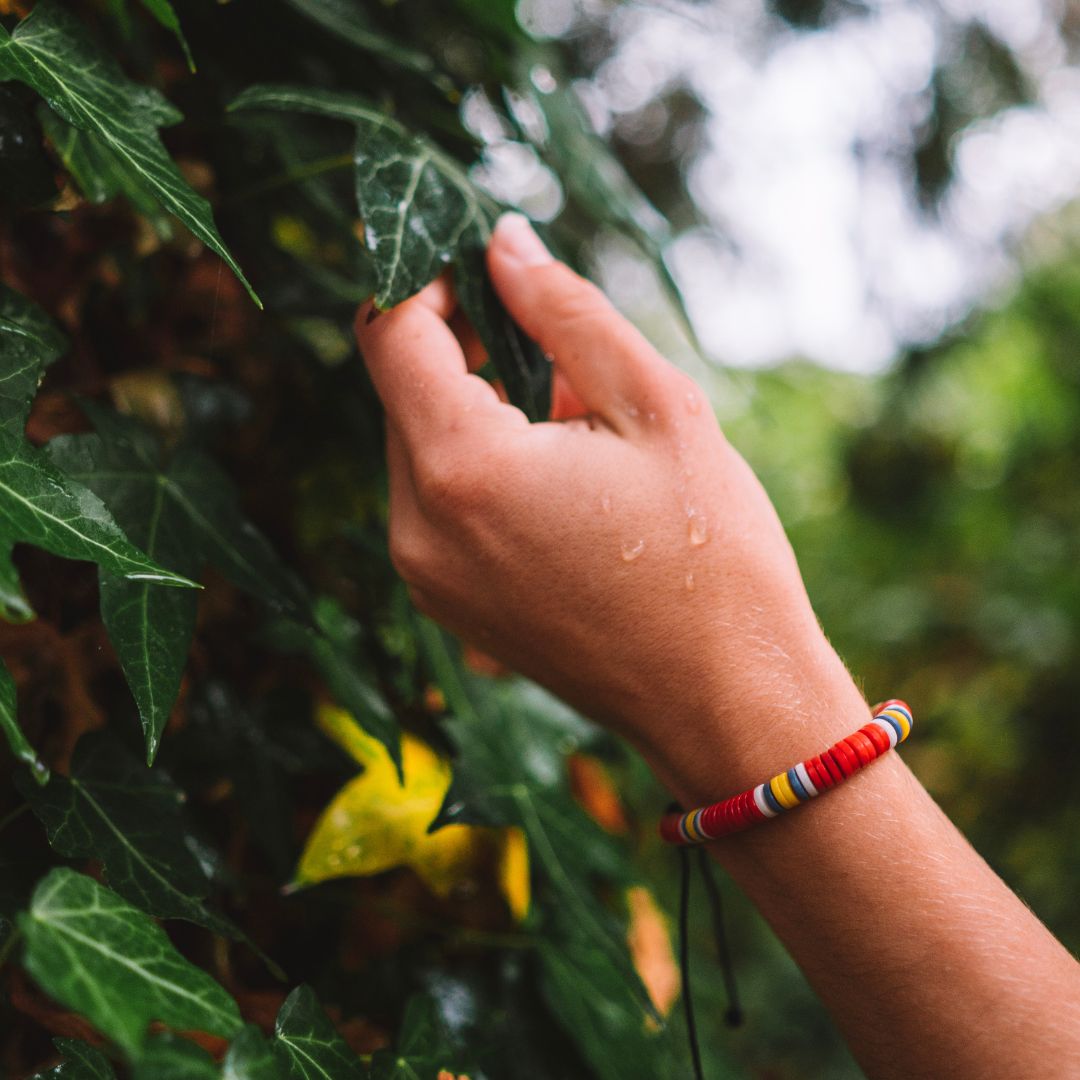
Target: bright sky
{"points": [[812, 249]]}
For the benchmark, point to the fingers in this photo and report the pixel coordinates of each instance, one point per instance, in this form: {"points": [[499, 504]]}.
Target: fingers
{"points": [[611, 368], [419, 370]]}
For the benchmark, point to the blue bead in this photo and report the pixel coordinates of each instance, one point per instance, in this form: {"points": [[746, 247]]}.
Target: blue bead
{"points": [[770, 798], [895, 725], [797, 786]]}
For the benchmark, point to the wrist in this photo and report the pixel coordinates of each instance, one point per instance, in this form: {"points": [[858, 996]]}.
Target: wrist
{"points": [[771, 719]]}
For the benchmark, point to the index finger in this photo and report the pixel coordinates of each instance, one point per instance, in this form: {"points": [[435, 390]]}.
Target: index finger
{"points": [[418, 368]]}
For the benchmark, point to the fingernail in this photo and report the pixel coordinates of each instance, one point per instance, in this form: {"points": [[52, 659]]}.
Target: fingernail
{"points": [[516, 237]]}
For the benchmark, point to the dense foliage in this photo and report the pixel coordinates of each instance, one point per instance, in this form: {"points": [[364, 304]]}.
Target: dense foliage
{"points": [[265, 821]]}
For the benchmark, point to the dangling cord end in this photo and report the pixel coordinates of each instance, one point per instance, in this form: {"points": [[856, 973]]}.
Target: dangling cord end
{"points": [[734, 1015], [684, 960]]}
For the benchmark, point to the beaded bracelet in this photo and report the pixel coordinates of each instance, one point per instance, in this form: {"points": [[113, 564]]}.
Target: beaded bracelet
{"points": [[891, 725]]}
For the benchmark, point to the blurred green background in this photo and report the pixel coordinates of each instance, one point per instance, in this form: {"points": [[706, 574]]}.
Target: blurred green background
{"points": [[927, 468]]}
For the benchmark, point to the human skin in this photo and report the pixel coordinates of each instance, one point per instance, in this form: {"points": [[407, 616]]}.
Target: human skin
{"points": [[624, 555]]}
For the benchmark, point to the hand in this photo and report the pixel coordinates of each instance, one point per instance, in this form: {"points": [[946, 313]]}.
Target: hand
{"points": [[623, 554]]}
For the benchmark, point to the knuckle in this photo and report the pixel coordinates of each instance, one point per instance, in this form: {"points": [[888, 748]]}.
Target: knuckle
{"points": [[571, 298], [445, 484]]}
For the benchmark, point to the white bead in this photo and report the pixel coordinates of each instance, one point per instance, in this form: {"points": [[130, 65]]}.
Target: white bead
{"points": [[804, 779], [762, 805], [888, 729]]}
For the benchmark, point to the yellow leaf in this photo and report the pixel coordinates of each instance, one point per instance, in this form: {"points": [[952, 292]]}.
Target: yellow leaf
{"points": [[375, 823], [650, 947]]}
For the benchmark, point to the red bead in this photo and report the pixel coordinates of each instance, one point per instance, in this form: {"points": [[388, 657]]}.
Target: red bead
{"points": [[814, 769], [877, 737], [836, 774], [863, 747], [845, 758]]}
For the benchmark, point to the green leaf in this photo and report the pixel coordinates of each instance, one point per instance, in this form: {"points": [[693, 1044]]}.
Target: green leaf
{"points": [[99, 172], [422, 215], [107, 960], [82, 1062], [346, 19], [423, 1046], [599, 183], [9, 722], [169, 1057], [29, 342], [14, 607], [165, 14], [39, 506], [184, 512], [594, 1003], [51, 52], [115, 809], [251, 1057], [334, 646], [308, 1043], [510, 771]]}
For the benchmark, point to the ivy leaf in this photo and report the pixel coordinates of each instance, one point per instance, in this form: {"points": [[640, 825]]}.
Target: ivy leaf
{"points": [[251, 1057], [422, 215], [29, 343], [14, 607], [377, 822], [346, 20], [169, 1057], [165, 14], [81, 1062], [117, 810], [595, 1004], [423, 1048], [333, 645], [309, 1045], [20, 747], [51, 52], [40, 507], [509, 773], [107, 960], [99, 172], [184, 512]]}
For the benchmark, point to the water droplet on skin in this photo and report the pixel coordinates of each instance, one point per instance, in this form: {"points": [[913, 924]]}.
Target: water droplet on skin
{"points": [[605, 503], [698, 529], [693, 403], [631, 549], [689, 581], [650, 416], [631, 411]]}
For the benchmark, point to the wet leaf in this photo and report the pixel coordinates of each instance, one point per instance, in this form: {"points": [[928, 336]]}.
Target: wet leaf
{"points": [[377, 822], [115, 809], [308, 1043], [81, 1062], [51, 52], [422, 215], [98, 955]]}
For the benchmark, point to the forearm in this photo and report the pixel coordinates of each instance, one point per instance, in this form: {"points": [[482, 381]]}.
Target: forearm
{"points": [[929, 964]]}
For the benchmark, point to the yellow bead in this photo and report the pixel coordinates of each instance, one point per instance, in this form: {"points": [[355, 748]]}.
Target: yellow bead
{"points": [[781, 788], [902, 720]]}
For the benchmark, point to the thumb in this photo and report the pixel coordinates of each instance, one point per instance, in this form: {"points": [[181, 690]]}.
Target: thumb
{"points": [[615, 372]]}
